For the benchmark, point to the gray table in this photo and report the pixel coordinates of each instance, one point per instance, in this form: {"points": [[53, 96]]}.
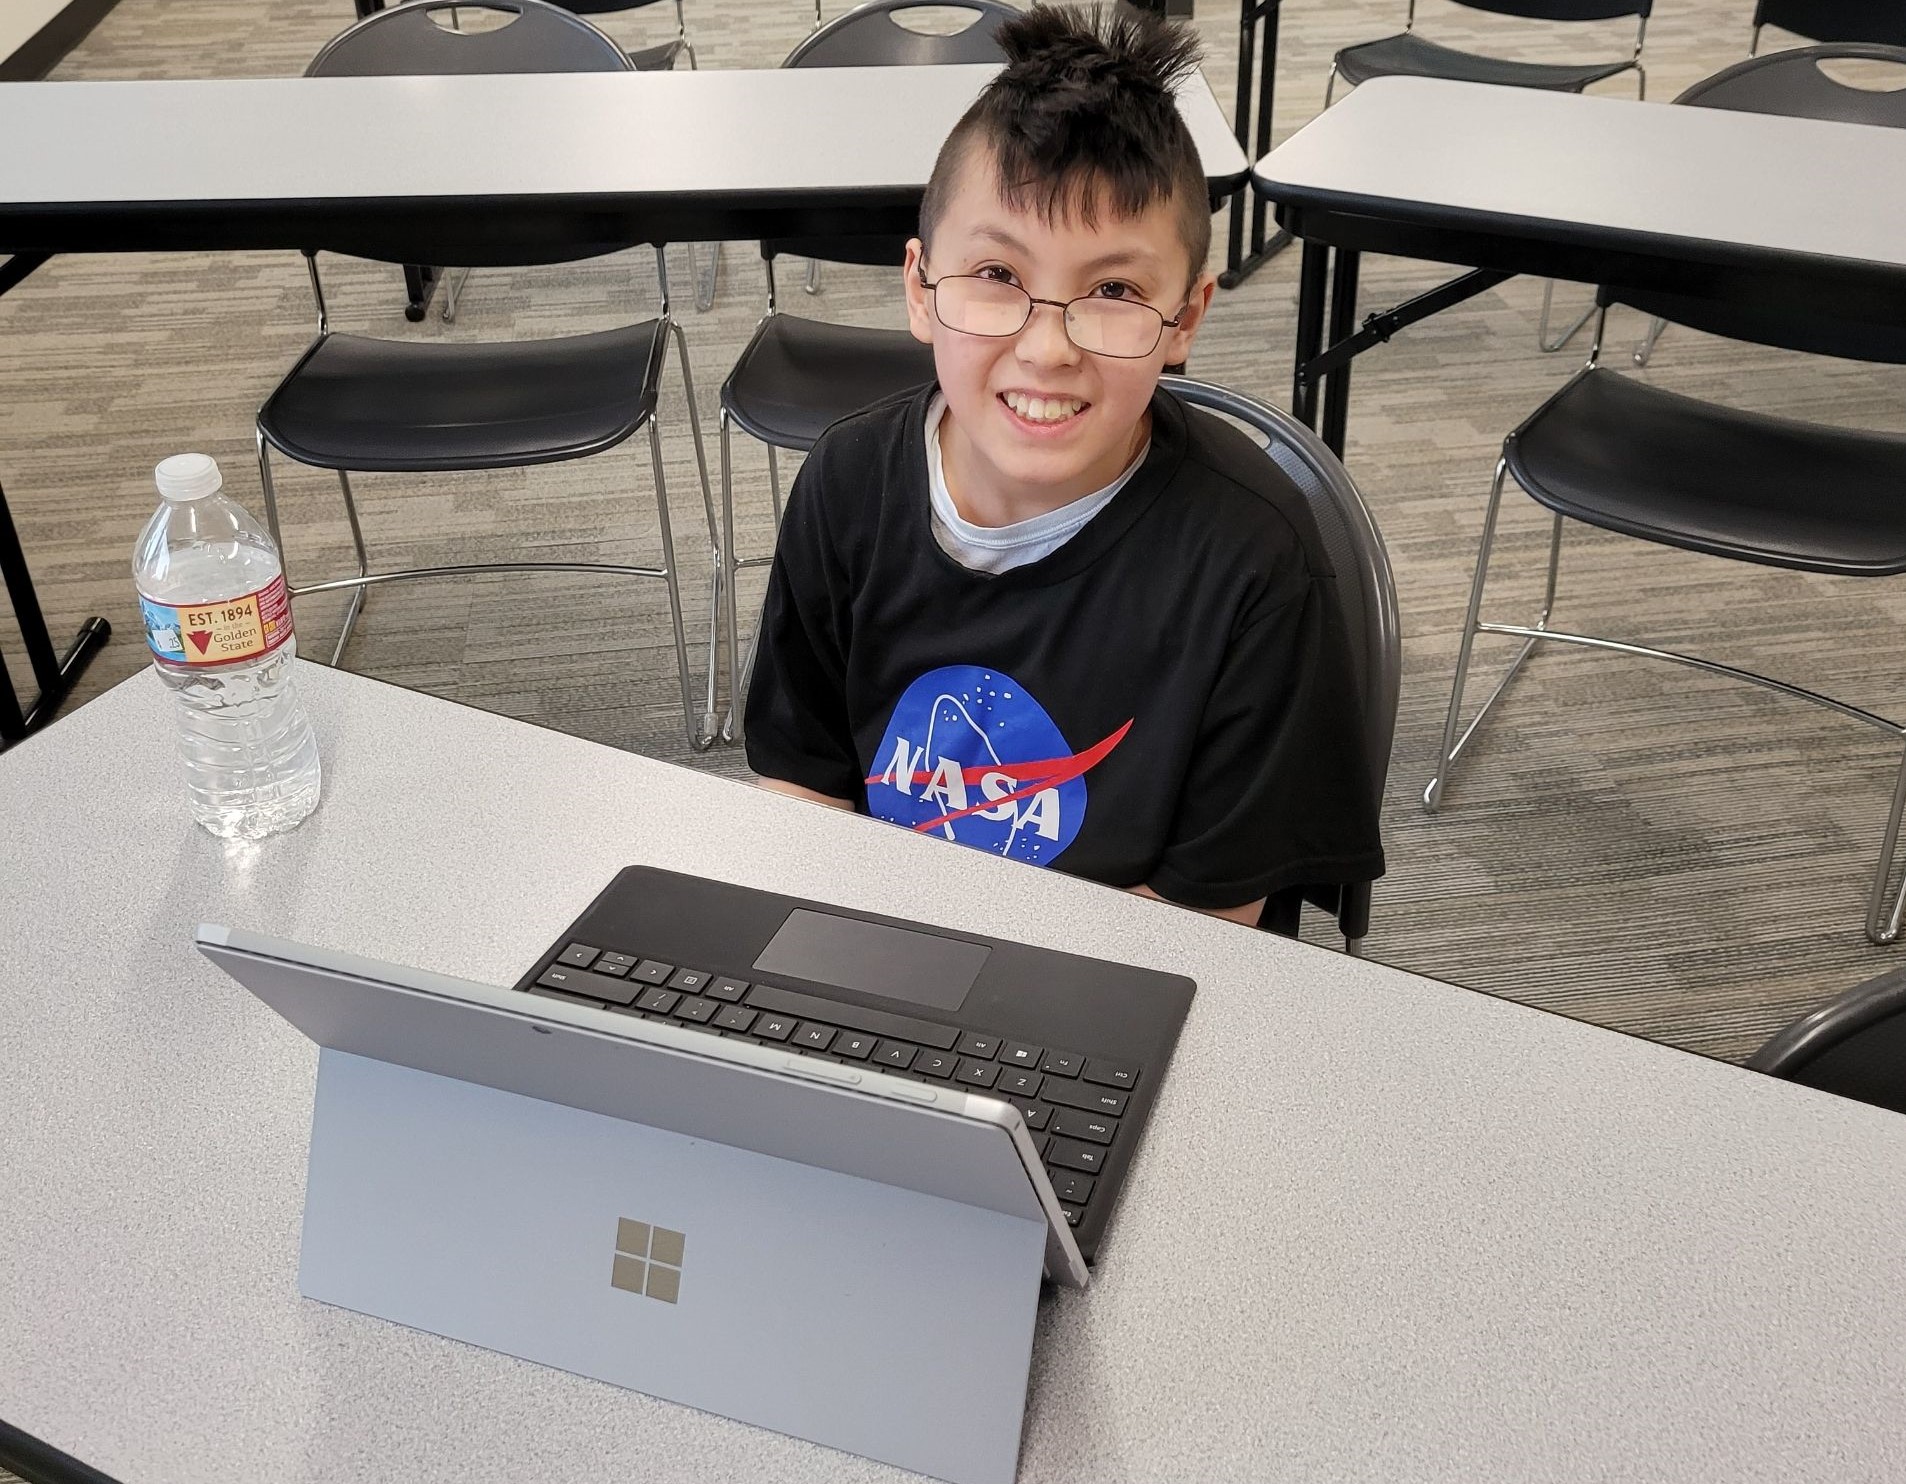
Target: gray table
{"points": [[1804, 212], [1381, 1228]]}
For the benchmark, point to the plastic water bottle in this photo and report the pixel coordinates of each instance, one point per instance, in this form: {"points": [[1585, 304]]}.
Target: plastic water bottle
{"points": [[218, 622]]}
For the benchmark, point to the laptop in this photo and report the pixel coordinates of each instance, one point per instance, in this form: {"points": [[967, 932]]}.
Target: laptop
{"points": [[1077, 1045], [726, 1216]]}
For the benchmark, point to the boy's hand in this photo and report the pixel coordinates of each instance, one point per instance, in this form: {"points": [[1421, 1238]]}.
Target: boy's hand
{"points": [[1248, 914], [813, 796]]}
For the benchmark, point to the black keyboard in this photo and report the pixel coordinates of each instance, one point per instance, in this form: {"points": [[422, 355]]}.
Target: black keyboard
{"points": [[1073, 1103]]}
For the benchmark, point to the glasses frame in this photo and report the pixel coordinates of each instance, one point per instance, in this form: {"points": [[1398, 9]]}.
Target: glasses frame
{"points": [[1062, 305]]}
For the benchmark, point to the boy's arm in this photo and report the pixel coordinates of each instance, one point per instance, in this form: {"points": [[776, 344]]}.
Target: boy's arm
{"points": [[813, 796], [1248, 914], [798, 733]]}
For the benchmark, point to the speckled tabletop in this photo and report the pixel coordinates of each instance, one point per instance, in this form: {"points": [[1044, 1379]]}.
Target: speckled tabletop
{"points": [[1381, 1229]]}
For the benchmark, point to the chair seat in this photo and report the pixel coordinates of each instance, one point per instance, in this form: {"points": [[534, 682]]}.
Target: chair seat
{"points": [[358, 403], [1409, 55], [797, 376], [1611, 451]]}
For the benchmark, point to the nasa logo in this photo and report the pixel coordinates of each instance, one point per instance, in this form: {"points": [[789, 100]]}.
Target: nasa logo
{"points": [[969, 754]]}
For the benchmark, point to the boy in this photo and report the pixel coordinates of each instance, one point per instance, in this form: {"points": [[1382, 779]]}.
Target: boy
{"points": [[1040, 607]]}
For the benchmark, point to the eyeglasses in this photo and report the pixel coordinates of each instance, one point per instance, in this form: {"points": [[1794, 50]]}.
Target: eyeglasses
{"points": [[1122, 328]]}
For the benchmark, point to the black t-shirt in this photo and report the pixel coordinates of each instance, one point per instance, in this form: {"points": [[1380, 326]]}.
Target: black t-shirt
{"points": [[1166, 699]]}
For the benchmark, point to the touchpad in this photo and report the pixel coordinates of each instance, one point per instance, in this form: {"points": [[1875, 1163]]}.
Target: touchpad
{"points": [[921, 968]]}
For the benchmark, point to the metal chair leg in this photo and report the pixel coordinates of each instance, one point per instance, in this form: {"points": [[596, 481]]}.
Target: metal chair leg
{"points": [[813, 283], [1542, 330], [1645, 347], [706, 279], [1330, 85], [363, 570], [706, 737], [453, 281], [730, 567], [671, 577], [1453, 745], [774, 485], [1887, 931]]}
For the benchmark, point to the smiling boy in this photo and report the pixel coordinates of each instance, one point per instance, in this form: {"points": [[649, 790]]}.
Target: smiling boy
{"points": [[1041, 607]]}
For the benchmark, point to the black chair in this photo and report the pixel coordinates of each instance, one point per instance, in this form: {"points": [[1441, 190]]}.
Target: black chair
{"points": [[1853, 1046], [354, 403], [1792, 83], [1408, 54], [1368, 594], [796, 375], [1611, 451], [395, 54], [1882, 21]]}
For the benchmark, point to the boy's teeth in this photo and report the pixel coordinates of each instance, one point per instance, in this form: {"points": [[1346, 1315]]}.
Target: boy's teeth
{"points": [[1043, 409]]}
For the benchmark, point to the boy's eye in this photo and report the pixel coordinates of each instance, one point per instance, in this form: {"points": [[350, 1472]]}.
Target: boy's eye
{"points": [[996, 273], [1116, 289]]}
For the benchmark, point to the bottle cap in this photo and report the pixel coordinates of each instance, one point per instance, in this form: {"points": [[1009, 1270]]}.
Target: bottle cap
{"points": [[188, 476]]}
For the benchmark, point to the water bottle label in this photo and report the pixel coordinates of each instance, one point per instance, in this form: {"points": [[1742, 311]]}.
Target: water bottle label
{"points": [[244, 628]]}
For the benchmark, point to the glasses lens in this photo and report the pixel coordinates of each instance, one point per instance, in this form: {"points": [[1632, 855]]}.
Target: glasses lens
{"points": [[1114, 327], [981, 306]]}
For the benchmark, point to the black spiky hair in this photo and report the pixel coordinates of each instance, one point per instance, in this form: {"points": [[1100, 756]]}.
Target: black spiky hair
{"points": [[1084, 119]]}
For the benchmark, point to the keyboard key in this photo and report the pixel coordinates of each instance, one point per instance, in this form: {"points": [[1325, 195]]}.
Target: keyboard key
{"points": [[857, 1017], [1072, 1188], [1072, 1214], [1037, 1115], [974, 1044], [623, 961], [1069, 1123], [1062, 1063], [774, 1027], [690, 981], [1078, 1095], [724, 988], [1076, 1156], [1018, 1054], [734, 1018], [614, 971], [1016, 1084], [651, 972], [577, 956], [615, 991], [811, 1037], [936, 1064], [1111, 1073], [972, 1072], [566, 979], [697, 1009], [658, 1001], [854, 1045], [895, 1055]]}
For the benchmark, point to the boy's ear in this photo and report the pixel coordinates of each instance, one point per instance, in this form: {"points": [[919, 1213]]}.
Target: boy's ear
{"points": [[1177, 343], [919, 312]]}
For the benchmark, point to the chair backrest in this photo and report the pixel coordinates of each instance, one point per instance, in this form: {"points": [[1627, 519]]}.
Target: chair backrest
{"points": [[1854, 1046], [1789, 83], [1564, 10], [871, 36], [1836, 20], [1366, 587], [1792, 83], [406, 41]]}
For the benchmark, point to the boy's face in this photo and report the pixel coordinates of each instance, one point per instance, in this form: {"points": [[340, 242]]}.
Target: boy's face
{"points": [[1033, 421]]}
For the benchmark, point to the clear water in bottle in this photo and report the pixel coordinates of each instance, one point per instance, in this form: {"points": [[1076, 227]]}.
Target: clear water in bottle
{"points": [[218, 622]]}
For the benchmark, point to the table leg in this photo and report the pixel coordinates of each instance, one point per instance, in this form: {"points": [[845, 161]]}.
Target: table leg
{"points": [[1313, 273], [1256, 143], [1343, 320], [53, 674]]}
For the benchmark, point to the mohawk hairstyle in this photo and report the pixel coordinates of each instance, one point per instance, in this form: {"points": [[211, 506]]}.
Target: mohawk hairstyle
{"points": [[1084, 119]]}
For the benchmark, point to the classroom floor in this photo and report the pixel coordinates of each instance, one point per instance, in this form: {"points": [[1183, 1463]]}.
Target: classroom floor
{"points": [[1632, 845]]}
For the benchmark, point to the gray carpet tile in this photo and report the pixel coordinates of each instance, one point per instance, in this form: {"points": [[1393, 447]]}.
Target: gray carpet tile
{"points": [[1638, 846]]}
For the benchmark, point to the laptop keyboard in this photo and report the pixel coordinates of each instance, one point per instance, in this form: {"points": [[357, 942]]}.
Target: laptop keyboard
{"points": [[1072, 1103]]}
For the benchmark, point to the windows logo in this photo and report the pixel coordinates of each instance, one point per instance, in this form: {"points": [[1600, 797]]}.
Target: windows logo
{"points": [[648, 1260]]}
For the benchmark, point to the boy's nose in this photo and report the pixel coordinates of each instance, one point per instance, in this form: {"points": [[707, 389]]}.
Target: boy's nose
{"points": [[1044, 341]]}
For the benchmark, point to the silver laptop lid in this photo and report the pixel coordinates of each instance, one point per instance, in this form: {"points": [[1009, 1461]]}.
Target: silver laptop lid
{"points": [[940, 1141]]}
